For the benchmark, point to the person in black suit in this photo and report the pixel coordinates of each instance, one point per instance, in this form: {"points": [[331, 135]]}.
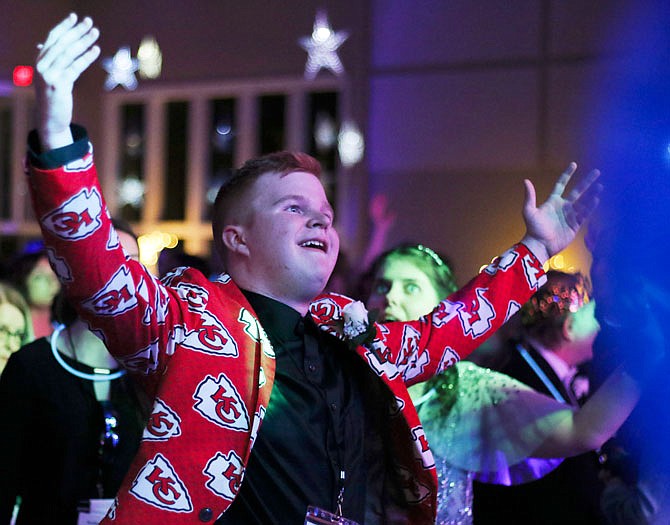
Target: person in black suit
{"points": [[557, 335]]}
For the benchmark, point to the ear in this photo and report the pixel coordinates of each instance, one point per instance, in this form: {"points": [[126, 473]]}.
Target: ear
{"points": [[234, 239], [568, 327]]}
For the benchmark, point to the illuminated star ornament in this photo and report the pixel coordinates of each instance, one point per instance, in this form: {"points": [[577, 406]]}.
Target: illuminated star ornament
{"points": [[322, 47], [121, 69]]}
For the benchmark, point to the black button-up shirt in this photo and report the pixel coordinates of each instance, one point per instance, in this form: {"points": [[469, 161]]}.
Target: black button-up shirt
{"points": [[313, 428]]}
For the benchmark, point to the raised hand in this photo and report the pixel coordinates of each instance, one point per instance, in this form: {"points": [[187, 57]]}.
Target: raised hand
{"points": [[66, 53], [555, 223]]}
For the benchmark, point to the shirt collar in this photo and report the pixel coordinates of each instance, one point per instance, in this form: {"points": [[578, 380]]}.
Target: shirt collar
{"points": [[281, 322], [564, 371]]}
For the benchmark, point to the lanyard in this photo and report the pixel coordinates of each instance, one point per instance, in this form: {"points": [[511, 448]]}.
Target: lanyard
{"points": [[540, 373]]}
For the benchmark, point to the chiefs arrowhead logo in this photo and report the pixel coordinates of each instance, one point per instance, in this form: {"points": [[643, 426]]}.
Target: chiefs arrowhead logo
{"points": [[534, 272], [379, 358], [164, 423], [410, 361], [211, 337], [219, 402], [421, 443], [445, 312], [77, 218], [414, 491], [477, 315], [226, 473], [157, 484], [116, 296], [255, 331], [196, 297], [449, 358], [325, 311], [502, 263], [144, 361]]}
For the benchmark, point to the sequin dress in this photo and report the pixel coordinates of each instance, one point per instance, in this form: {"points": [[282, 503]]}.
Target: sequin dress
{"points": [[493, 426]]}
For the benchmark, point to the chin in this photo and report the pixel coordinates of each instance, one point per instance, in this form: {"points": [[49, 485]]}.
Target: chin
{"points": [[314, 286]]}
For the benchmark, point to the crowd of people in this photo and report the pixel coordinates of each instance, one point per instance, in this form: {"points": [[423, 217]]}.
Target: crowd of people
{"points": [[253, 396]]}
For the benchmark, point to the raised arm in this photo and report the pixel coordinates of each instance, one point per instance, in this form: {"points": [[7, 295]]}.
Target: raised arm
{"points": [[67, 52], [555, 223], [639, 330], [122, 302], [594, 423]]}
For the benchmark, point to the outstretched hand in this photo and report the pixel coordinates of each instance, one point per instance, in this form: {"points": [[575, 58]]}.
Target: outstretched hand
{"points": [[66, 53], [555, 223]]}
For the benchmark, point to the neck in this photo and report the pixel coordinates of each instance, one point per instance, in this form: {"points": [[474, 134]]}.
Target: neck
{"points": [[299, 306], [41, 318], [79, 343], [289, 298]]}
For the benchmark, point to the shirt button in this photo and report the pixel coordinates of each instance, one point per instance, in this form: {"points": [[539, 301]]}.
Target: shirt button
{"points": [[311, 367], [333, 406], [205, 514]]}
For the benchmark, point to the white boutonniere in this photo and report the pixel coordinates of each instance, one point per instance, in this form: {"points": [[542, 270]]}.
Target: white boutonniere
{"points": [[358, 325]]}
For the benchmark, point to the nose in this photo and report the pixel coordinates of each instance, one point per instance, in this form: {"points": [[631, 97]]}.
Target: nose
{"points": [[393, 295], [319, 220]]}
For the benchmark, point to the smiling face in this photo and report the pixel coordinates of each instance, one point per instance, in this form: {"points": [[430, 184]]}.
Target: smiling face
{"points": [[286, 247], [401, 291]]}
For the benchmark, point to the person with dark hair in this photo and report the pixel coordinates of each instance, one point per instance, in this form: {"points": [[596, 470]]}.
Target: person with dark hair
{"points": [[272, 404], [70, 421], [483, 425], [16, 328], [32, 275]]}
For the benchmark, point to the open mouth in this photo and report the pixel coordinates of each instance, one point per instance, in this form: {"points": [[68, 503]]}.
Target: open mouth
{"points": [[315, 245]]}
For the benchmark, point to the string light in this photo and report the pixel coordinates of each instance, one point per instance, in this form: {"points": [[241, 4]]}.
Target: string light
{"points": [[150, 58]]}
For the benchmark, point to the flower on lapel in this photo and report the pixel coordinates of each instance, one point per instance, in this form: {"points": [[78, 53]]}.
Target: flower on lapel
{"points": [[358, 326], [355, 319]]}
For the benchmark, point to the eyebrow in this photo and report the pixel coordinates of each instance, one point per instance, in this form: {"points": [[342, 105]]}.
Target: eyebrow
{"points": [[302, 199], [403, 280]]}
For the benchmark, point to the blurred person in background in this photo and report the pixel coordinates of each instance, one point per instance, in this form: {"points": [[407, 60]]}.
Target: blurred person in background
{"points": [[557, 332], [16, 328], [70, 421], [32, 275]]}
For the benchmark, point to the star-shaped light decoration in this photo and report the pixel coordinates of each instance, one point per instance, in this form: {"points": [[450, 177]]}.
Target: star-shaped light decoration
{"points": [[322, 47], [121, 68]]}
